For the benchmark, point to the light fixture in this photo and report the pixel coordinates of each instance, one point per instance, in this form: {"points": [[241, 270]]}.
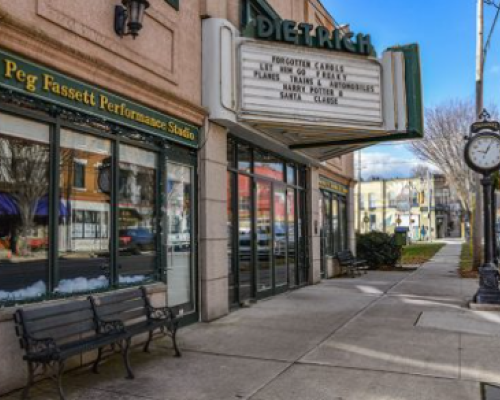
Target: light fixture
{"points": [[129, 16]]}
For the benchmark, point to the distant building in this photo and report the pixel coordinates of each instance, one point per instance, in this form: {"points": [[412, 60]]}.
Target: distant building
{"points": [[427, 206]]}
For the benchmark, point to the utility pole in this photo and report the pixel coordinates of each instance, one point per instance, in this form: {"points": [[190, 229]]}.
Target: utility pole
{"points": [[477, 231], [429, 202], [359, 191]]}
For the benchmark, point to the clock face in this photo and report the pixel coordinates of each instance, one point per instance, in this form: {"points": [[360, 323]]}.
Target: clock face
{"points": [[484, 152]]}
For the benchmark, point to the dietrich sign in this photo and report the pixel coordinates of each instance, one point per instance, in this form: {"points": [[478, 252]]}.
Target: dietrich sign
{"points": [[304, 34], [300, 83]]}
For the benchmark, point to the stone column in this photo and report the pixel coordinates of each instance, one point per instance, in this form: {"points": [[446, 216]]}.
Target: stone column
{"points": [[351, 231], [313, 224], [213, 264]]}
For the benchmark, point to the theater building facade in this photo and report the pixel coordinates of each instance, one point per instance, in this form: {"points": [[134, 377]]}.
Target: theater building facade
{"points": [[206, 156]]}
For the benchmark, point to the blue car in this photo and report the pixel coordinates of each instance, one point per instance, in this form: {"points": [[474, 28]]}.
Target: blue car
{"points": [[136, 240]]}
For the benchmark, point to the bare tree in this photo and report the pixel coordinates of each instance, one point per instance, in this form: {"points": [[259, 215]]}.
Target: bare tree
{"points": [[445, 127], [24, 173], [420, 171]]}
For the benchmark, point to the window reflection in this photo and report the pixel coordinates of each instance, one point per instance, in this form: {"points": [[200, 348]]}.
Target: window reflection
{"points": [[264, 236], [280, 237], [245, 237], [268, 165], [84, 214], [244, 158], [179, 231], [24, 187], [137, 215]]}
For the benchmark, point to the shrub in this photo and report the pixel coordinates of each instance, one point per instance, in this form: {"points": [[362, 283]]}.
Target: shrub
{"points": [[378, 249]]}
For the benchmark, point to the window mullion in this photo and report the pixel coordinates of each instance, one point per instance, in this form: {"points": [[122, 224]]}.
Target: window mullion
{"points": [[114, 211], [54, 208]]}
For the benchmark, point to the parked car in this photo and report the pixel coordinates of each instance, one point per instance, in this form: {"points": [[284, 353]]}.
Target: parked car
{"points": [[135, 240]]}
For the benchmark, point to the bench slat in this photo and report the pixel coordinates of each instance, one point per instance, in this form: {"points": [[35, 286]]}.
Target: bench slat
{"points": [[59, 320], [55, 310], [118, 297], [64, 332], [132, 315], [118, 308]]}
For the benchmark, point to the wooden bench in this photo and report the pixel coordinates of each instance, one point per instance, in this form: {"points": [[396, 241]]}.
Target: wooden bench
{"points": [[352, 265], [50, 335], [133, 308]]}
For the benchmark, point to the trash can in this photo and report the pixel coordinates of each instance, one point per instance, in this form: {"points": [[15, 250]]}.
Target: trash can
{"points": [[401, 235]]}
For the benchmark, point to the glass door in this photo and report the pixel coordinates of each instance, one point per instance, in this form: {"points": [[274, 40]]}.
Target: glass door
{"points": [[180, 237], [280, 239], [264, 237]]}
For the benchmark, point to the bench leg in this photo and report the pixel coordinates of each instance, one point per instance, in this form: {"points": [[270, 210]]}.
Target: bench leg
{"points": [[125, 347], [58, 379], [31, 378], [95, 368], [174, 342], [150, 338]]}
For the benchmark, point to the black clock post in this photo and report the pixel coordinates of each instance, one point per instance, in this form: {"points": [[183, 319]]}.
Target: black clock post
{"points": [[488, 292]]}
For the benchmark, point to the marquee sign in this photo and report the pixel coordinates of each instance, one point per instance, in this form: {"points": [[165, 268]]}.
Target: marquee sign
{"points": [[299, 83], [307, 89], [37, 81]]}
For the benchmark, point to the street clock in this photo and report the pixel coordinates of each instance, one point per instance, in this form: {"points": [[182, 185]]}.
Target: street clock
{"points": [[482, 152]]}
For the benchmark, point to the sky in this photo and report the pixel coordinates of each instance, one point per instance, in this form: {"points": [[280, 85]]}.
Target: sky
{"points": [[446, 33]]}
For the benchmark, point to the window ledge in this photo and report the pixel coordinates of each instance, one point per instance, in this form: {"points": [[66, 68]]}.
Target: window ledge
{"points": [[7, 313]]}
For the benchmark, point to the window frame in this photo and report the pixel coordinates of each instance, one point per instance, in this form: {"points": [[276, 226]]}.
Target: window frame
{"points": [[58, 120]]}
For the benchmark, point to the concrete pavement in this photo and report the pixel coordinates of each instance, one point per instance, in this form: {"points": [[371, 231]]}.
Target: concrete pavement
{"points": [[348, 339]]}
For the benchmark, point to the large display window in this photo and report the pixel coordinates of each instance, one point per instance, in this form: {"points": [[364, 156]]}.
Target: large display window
{"points": [[267, 246], [87, 206]]}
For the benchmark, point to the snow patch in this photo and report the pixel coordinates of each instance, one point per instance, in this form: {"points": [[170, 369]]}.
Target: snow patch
{"points": [[132, 279], [36, 290], [82, 284]]}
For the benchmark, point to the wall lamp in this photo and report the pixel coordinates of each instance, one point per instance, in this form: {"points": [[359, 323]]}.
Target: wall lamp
{"points": [[129, 16]]}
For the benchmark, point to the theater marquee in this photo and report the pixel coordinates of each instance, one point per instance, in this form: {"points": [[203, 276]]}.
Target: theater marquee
{"points": [[308, 84], [322, 93]]}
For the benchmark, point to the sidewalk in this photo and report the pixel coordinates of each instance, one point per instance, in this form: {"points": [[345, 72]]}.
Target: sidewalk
{"points": [[347, 339]]}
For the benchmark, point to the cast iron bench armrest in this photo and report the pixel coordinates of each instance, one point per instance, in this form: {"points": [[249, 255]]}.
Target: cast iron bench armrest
{"points": [[160, 312], [109, 327], [46, 346]]}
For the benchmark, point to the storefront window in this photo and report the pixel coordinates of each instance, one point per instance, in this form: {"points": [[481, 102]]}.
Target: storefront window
{"points": [[180, 274], [334, 234], [84, 214], [335, 225], [267, 165], [244, 158], [245, 237], [137, 221], [291, 174], [270, 254], [327, 224], [24, 197], [344, 228], [292, 226]]}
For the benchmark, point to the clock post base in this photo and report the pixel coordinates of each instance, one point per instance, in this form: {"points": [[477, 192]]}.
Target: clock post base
{"points": [[488, 292]]}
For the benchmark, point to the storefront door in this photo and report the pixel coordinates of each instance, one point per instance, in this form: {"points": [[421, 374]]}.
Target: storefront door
{"points": [[180, 237], [271, 238]]}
